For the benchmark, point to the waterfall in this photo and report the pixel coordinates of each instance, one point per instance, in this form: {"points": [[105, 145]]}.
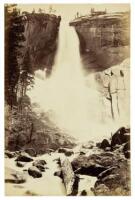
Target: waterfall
{"points": [[74, 107]]}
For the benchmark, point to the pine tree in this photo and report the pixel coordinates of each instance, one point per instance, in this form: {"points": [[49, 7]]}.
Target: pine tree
{"points": [[14, 29], [26, 74]]}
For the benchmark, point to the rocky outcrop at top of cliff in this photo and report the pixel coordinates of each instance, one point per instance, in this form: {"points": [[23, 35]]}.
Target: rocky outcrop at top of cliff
{"points": [[104, 39], [41, 31]]}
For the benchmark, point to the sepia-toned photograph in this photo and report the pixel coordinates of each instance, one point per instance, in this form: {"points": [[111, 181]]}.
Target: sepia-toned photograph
{"points": [[67, 99]]}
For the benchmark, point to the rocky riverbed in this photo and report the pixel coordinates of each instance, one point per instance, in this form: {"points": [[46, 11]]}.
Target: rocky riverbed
{"points": [[97, 169]]}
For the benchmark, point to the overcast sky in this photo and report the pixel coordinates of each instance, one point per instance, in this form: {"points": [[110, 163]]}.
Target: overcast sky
{"points": [[68, 11]]}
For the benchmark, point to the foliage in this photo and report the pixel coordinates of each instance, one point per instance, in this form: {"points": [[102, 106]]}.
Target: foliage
{"points": [[14, 37]]}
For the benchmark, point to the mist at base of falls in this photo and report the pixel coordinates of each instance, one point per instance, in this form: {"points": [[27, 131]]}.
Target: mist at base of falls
{"points": [[74, 106]]}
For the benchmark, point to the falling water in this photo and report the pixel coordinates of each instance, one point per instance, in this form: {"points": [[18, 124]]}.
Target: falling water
{"points": [[74, 106]]}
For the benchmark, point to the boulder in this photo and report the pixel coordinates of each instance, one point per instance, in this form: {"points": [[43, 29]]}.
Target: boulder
{"points": [[98, 144], [19, 164], [121, 136], [40, 164], [83, 193], [9, 154], [24, 158], [67, 152], [104, 144], [106, 159], [116, 180], [127, 154], [93, 170], [82, 153], [34, 172]]}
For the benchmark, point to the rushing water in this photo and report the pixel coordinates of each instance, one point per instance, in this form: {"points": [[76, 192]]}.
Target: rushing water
{"points": [[74, 106]]}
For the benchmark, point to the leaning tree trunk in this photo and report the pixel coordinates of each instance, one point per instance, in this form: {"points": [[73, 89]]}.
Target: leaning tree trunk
{"points": [[70, 179]]}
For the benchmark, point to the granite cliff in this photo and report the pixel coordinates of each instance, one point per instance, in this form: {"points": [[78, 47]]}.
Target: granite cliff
{"points": [[104, 39], [41, 31]]}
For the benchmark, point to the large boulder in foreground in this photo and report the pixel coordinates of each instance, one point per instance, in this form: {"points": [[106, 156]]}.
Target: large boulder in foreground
{"points": [[34, 172], [114, 181], [105, 159]]}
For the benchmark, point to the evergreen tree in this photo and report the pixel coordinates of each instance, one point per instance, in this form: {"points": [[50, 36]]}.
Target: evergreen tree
{"points": [[14, 29], [26, 74]]}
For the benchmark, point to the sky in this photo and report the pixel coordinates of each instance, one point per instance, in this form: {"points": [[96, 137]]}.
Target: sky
{"points": [[68, 11]]}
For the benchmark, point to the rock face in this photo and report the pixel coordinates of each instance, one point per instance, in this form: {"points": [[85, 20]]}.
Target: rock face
{"points": [[41, 31], [104, 39]]}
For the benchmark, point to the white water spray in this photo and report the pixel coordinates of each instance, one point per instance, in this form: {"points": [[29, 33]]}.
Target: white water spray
{"points": [[75, 107]]}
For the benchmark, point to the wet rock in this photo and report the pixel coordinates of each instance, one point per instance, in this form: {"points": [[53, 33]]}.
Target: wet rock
{"points": [[93, 170], [24, 158], [127, 154], [98, 144], [59, 174], [82, 153], [105, 159], [116, 179], [104, 144], [34, 172], [121, 136], [40, 164], [67, 152], [9, 154], [19, 164], [83, 193]]}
